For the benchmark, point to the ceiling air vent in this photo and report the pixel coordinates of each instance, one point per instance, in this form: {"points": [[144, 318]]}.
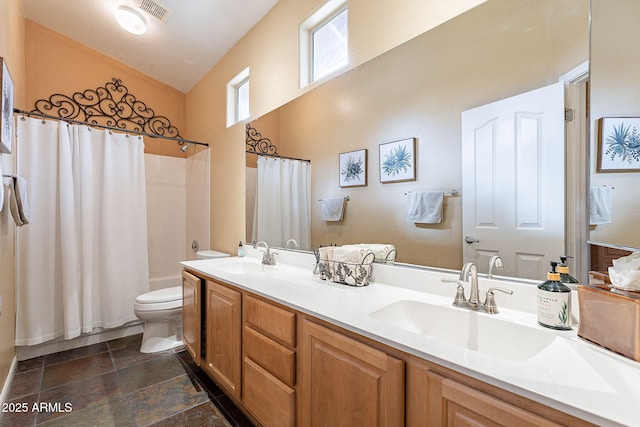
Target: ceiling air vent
{"points": [[156, 9]]}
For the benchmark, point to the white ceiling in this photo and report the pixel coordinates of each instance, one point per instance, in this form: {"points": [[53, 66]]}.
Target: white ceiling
{"points": [[178, 53]]}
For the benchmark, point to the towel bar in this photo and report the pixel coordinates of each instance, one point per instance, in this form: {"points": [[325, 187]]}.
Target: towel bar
{"points": [[347, 198], [453, 193]]}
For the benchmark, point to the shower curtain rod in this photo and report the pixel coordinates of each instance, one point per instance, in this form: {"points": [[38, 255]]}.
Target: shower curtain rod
{"points": [[277, 156], [78, 122]]}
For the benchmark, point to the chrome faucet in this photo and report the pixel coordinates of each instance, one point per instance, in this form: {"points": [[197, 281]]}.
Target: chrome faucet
{"points": [[293, 242], [494, 262], [267, 257], [469, 273]]}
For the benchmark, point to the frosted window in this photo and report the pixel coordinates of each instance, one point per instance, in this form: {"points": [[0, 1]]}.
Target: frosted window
{"points": [[329, 46]]}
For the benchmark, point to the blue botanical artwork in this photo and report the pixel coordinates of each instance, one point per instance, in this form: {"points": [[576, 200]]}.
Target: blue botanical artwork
{"points": [[397, 161], [620, 149], [353, 168]]}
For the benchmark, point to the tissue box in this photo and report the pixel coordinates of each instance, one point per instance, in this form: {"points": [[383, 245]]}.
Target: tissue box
{"points": [[610, 319]]}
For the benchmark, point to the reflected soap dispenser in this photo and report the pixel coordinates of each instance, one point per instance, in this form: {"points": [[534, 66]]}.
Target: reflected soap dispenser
{"points": [[554, 301], [240, 249], [563, 269]]}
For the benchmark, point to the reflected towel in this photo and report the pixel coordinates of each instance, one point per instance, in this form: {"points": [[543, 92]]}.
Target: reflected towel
{"points": [[425, 207], [18, 201], [332, 209], [600, 205]]}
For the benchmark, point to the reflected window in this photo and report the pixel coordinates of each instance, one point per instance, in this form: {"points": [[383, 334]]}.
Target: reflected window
{"points": [[324, 42]]}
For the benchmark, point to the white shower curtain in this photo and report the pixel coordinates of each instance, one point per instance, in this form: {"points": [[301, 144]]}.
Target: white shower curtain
{"points": [[82, 259], [283, 202]]}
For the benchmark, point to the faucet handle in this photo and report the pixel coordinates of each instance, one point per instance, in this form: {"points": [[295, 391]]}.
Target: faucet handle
{"points": [[460, 299], [490, 302]]}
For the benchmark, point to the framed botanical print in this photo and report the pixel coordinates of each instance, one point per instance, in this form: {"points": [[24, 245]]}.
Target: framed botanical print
{"points": [[618, 144], [6, 109], [398, 161], [353, 168]]}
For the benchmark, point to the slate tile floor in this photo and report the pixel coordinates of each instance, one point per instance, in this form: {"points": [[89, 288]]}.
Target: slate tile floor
{"points": [[113, 384]]}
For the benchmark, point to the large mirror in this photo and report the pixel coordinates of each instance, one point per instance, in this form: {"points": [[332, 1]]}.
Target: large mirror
{"points": [[495, 51], [615, 97]]}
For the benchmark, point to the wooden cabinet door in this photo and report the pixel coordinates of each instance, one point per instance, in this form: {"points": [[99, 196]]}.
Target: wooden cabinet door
{"points": [[223, 329], [191, 314], [455, 404], [343, 382]]}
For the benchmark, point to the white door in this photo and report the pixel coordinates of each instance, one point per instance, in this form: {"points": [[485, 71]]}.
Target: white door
{"points": [[513, 182]]}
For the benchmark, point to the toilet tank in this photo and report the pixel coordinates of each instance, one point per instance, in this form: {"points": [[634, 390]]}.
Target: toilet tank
{"points": [[210, 254]]}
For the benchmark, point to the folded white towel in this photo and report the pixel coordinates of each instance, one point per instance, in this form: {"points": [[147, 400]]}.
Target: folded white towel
{"points": [[380, 251], [332, 209], [18, 201], [600, 205], [425, 207]]}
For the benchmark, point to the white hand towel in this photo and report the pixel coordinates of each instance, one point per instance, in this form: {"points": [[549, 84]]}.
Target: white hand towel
{"points": [[332, 209], [600, 205], [425, 207]]}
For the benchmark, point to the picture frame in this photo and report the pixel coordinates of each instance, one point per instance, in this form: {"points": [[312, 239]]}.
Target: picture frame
{"points": [[353, 168], [398, 161], [6, 109], [618, 144]]}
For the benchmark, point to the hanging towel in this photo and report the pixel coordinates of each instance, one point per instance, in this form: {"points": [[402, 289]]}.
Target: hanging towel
{"points": [[425, 207], [600, 205], [18, 201], [332, 209]]}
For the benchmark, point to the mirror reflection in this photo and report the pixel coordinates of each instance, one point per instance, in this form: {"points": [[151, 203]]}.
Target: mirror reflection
{"points": [[421, 91], [615, 203]]}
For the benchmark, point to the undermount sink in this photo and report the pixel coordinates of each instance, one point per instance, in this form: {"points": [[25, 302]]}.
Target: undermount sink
{"points": [[480, 332], [244, 267]]}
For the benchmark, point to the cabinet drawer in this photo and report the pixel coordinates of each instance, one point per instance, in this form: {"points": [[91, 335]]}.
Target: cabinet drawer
{"points": [[273, 357], [267, 398], [272, 321]]}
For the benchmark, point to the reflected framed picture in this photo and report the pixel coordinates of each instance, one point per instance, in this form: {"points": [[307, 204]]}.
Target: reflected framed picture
{"points": [[353, 168], [398, 161], [6, 109], [618, 144]]}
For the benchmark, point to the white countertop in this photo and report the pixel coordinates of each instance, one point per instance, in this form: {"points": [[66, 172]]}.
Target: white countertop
{"points": [[569, 374]]}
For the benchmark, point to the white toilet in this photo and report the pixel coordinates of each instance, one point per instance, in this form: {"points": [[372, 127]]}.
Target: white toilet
{"points": [[161, 311]]}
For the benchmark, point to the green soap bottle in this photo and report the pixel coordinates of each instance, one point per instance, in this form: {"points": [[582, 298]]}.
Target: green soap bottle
{"points": [[554, 301], [563, 269]]}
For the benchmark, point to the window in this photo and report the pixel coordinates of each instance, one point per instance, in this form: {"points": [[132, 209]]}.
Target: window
{"points": [[324, 42], [238, 98]]}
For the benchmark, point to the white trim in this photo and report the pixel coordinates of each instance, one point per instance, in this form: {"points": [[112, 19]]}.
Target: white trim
{"points": [[576, 75], [9, 380]]}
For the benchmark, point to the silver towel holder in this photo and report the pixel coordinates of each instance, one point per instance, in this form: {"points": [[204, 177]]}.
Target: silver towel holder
{"points": [[346, 198], [453, 193]]}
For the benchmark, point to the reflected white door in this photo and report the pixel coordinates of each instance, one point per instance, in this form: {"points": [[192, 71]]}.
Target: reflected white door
{"points": [[513, 182]]}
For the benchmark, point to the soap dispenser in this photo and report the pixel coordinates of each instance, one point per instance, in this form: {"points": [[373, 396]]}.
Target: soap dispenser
{"points": [[240, 249], [563, 269], [554, 301]]}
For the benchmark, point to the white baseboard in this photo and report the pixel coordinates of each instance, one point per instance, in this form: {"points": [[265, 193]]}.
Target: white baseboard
{"points": [[8, 381], [32, 351]]}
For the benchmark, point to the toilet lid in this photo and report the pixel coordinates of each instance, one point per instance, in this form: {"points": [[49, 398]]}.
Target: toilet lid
{"points": [[161, 295]]}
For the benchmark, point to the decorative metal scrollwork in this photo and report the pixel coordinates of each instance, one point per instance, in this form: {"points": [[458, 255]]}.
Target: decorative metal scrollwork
{"points": [[259, 145], [111, 105]]}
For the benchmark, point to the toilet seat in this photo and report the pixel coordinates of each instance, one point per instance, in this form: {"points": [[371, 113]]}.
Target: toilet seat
{"points": [[162, 299]]}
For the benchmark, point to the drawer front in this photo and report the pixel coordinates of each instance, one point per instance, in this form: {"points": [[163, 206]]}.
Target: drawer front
{"points": [[273, 357], [268, 399], [274, 322]]}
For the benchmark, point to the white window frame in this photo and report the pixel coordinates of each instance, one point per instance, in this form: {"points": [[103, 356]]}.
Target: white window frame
{"points": [[317, 19], [233, 105]]}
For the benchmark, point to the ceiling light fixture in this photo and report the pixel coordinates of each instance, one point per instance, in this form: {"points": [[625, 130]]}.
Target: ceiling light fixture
{"points": [[131, 20]]}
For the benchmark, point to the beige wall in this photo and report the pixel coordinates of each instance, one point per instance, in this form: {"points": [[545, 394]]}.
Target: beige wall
{"points": [[56, 64], [615, 92], [12, 47], [270, 49], [419, 90]]}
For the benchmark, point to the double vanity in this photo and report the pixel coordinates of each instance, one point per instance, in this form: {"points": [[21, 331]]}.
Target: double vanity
{"points": [[294, 350]]}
